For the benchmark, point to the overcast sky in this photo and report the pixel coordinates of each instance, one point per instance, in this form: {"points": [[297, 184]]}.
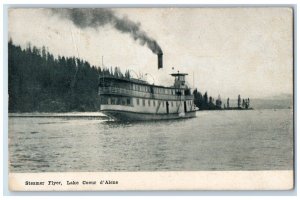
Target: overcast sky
{"points": [[234, 51]]}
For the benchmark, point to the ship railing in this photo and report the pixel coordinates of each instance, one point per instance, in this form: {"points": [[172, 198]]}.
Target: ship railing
{"points": [[134, 93]]}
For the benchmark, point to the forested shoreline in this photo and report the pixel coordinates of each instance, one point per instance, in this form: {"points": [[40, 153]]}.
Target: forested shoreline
{"points": [[39, 82]]}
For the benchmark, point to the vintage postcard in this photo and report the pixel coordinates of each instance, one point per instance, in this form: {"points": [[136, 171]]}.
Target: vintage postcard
{"points": [[150, 98]]}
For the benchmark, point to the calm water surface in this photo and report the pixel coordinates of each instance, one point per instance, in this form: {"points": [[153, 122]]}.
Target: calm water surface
{"points": [[214, 140]]}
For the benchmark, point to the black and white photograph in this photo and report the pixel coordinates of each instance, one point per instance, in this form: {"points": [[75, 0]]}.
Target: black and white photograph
{"points": [[161, 98]]}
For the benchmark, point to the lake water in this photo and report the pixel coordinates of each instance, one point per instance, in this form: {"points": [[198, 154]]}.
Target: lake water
{"points": [[214, 140]]}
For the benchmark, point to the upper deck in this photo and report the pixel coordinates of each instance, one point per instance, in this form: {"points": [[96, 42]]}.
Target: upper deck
{"points": [[111, 85]]}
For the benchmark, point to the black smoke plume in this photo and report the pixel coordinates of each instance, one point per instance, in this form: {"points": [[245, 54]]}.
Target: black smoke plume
{"points": [[97, 17]]}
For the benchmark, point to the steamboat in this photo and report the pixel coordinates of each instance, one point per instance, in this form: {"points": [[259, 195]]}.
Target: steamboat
{"points": [[130, 99]]}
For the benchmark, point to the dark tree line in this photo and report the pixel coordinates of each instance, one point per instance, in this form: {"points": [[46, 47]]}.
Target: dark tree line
{"points": [[39, 82], [203, 102]]}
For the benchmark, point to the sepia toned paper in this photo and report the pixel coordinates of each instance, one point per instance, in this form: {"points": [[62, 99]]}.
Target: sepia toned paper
{"points": [[233, 132]]}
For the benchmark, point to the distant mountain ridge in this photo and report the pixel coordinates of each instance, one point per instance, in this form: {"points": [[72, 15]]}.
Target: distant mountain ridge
{"points": [[275, 102]]}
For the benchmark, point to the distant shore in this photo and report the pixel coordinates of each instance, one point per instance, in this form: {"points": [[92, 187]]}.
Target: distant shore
{"points": [[55, 114], [236, 108]]}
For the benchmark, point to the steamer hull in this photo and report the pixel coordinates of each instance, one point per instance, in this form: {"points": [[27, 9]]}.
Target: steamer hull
{"points": [[132, 116]]}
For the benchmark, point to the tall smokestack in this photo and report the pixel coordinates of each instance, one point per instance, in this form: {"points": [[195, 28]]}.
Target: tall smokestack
{"points": [[160, 60]]}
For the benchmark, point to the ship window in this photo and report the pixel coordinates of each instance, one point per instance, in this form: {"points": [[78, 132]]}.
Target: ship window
{"points": [[148, 102], [138, 101], [163, 103], [153, 102], [143, 102], [172, 103], [128, 101], [119, 101], [123, 101], [113, 102]]}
